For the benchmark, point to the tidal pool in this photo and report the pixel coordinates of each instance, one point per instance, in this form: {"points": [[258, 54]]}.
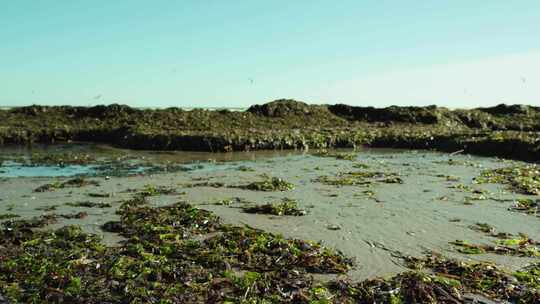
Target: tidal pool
{"points": [[410, 203]]}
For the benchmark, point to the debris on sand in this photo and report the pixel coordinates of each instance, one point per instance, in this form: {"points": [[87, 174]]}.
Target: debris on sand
{"points": [[524, 179], [269, 184], [72, 183], [89, 204], [285, 207]]}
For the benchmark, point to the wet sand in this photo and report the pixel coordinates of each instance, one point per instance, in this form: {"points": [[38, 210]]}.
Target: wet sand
{"points": [[419, 215]]}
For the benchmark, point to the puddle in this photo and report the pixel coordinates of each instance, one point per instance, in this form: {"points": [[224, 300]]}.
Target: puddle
{"points": [[103, 160]]}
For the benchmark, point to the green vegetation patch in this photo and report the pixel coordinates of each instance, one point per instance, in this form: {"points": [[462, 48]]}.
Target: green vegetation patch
{"points": [[153, 190], [173, 254], [285, 207], [268, 184], [359, 178], [481, 278], [520, 178], [522, 246], [526, 205]]}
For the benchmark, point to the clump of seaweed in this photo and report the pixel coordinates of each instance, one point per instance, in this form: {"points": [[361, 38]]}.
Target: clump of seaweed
{"points": [[359, 178], [99, 194], [521, 178], [258, 250], [407, 287], [285, 207], [76, 215], [89, 204], [152, 190], [245, 169], [483, 227], [206, 184], [522, 246], [269, 184], [72, 183], [481, 278], [47, 208], [7, 216], [526, 205], [359, 165], [529, 276], [337, 155]]}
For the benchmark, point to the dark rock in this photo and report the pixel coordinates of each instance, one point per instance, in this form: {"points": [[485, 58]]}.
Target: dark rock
{"points": [[425, 115], [504, 109], [281, 108]]}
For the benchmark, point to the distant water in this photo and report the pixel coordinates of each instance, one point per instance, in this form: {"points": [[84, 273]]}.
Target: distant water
{"points": [[235, 109]]}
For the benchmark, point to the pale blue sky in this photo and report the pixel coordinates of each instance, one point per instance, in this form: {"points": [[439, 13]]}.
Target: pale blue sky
{"points": [[236, 53]]}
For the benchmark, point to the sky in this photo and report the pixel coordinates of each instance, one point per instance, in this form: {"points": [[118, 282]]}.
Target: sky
{"points": [[209, 53]]}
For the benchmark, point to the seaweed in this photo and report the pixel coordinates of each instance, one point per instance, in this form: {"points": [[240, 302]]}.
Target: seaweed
{"points": [[76, 215], [340, 156], [61, 159], [72, 183], [181, 254], [268, 184], [281, 124], [522, 246], [6, 216], [89, 205], [520, 178], [285, 207], [481, 278], [526, 205], [151, 190], [359, 178], [173, 254]]}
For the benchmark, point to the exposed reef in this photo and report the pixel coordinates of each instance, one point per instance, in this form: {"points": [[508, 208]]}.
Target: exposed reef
{"points": [[506, 131]]}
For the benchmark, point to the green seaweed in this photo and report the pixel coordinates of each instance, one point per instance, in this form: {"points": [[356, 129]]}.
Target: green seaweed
{"points": [[6, 216], [285, 207], [269, 184], [520, 178]]}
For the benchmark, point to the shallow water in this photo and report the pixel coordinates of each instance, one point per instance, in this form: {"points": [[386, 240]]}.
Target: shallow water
{"points": [[422, 214], [17, 161]]}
